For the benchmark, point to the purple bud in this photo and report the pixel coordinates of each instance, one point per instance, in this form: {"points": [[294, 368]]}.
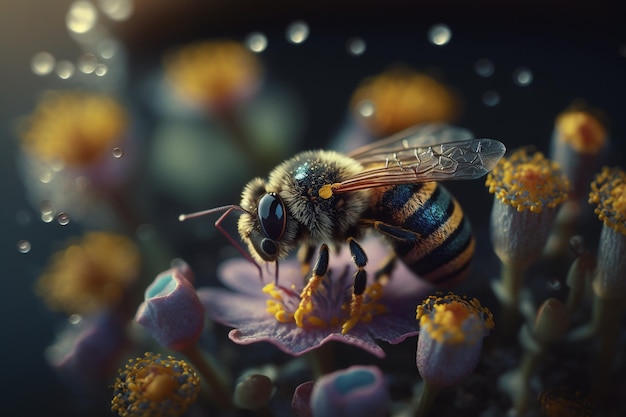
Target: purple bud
{"points": [[172, 312]]}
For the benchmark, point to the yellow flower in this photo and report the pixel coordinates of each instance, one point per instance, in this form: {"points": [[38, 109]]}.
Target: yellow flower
{"points": [[401, 98], [75, 128], [153, 387], [215, 74], [90, 274], [528, 181]]}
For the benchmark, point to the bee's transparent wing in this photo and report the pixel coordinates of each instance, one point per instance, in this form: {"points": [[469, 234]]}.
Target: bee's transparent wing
{"points": [[428, 153]]}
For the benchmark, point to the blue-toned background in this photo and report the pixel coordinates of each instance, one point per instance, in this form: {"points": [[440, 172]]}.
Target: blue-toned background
{"points": [[574, 50]]}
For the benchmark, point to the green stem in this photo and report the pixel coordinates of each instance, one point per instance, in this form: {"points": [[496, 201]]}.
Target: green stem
{"points": [[427, 400], [322, 360], [206, 367]]}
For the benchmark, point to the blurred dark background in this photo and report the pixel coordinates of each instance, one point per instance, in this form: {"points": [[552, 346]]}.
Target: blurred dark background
{"points": [[575, 49]]}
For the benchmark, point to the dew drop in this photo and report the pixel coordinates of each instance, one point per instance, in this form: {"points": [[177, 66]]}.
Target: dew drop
{"points": [[46, 207], [553, 284], [439, 34], [45, 176], [522, 76], [47, 217], [297, 32], [23, 246], [484, 67], [42, 63], [356, 46], [65, 69], [118, 152], [75, 319], [107, 48], [81, 17], [87, 63], [63, 218], [101, 70], [256, 42], [366, 108], [491, 98]]}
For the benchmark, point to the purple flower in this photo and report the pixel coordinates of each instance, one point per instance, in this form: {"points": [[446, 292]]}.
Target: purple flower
{"points": [[263, 311], [171, 311]]}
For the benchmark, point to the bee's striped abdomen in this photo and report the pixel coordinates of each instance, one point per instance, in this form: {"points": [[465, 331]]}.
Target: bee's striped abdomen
{"points": [[444, 244]]}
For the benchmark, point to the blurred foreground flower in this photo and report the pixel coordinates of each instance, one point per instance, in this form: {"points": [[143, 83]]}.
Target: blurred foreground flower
{"points": [[267, 313], [452, 329], [91, 274], [214, 75], [153, 387], [358, 391]]}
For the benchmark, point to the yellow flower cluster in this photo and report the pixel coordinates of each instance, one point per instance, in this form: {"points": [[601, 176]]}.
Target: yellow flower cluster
{"points": [[528, 181], [608, 193]]}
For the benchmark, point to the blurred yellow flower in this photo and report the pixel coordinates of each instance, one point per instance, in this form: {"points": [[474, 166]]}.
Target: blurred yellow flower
{"points": [[75, 128], [400, 98], [214, 74], [92, 273]]}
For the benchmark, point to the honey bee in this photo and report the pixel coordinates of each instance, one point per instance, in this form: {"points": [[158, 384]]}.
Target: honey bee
{"points": [[390, 186]]}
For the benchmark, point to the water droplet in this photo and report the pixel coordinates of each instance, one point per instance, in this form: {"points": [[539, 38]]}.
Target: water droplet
{"points": [[118, 152], [491, 98], [81, 17], [356, 46], [297, 32], [75, 319], [87, 63], [63, 218], [116, 9], [46, 207], [522, 76], [45, 176], [256, 42], [64, 69], [107, 48], [439, 34], [47, 217], [23, 246], [484, 67], [101, 70], [42, 63], [366, 108], [553, 284]]}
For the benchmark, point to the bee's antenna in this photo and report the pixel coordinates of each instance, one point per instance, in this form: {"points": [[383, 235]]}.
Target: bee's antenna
{"points": [[218, 224]]}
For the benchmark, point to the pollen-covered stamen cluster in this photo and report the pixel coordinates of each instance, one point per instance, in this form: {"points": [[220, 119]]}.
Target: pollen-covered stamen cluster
{"points": [[326, 302], [528, 182], [608, 193], [155, 386], [447, 319]]}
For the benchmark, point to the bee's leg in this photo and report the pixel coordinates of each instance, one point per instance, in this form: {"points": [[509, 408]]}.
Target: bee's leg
{"points": [[360, 282], [395, 232], [319, 270]]}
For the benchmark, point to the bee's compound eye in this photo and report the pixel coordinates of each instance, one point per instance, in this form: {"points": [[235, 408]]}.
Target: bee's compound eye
{"points": [[269, 247], [272, 216]]}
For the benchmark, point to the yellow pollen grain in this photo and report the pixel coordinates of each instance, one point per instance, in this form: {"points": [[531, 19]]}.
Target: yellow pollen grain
{"points": [[608, 193]]}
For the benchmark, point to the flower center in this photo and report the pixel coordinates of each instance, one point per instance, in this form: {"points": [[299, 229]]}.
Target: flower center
{"points": [[327, 303]]}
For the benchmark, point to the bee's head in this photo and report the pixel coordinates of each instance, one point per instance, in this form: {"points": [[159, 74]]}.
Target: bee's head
{"points": [[266, 226]]}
